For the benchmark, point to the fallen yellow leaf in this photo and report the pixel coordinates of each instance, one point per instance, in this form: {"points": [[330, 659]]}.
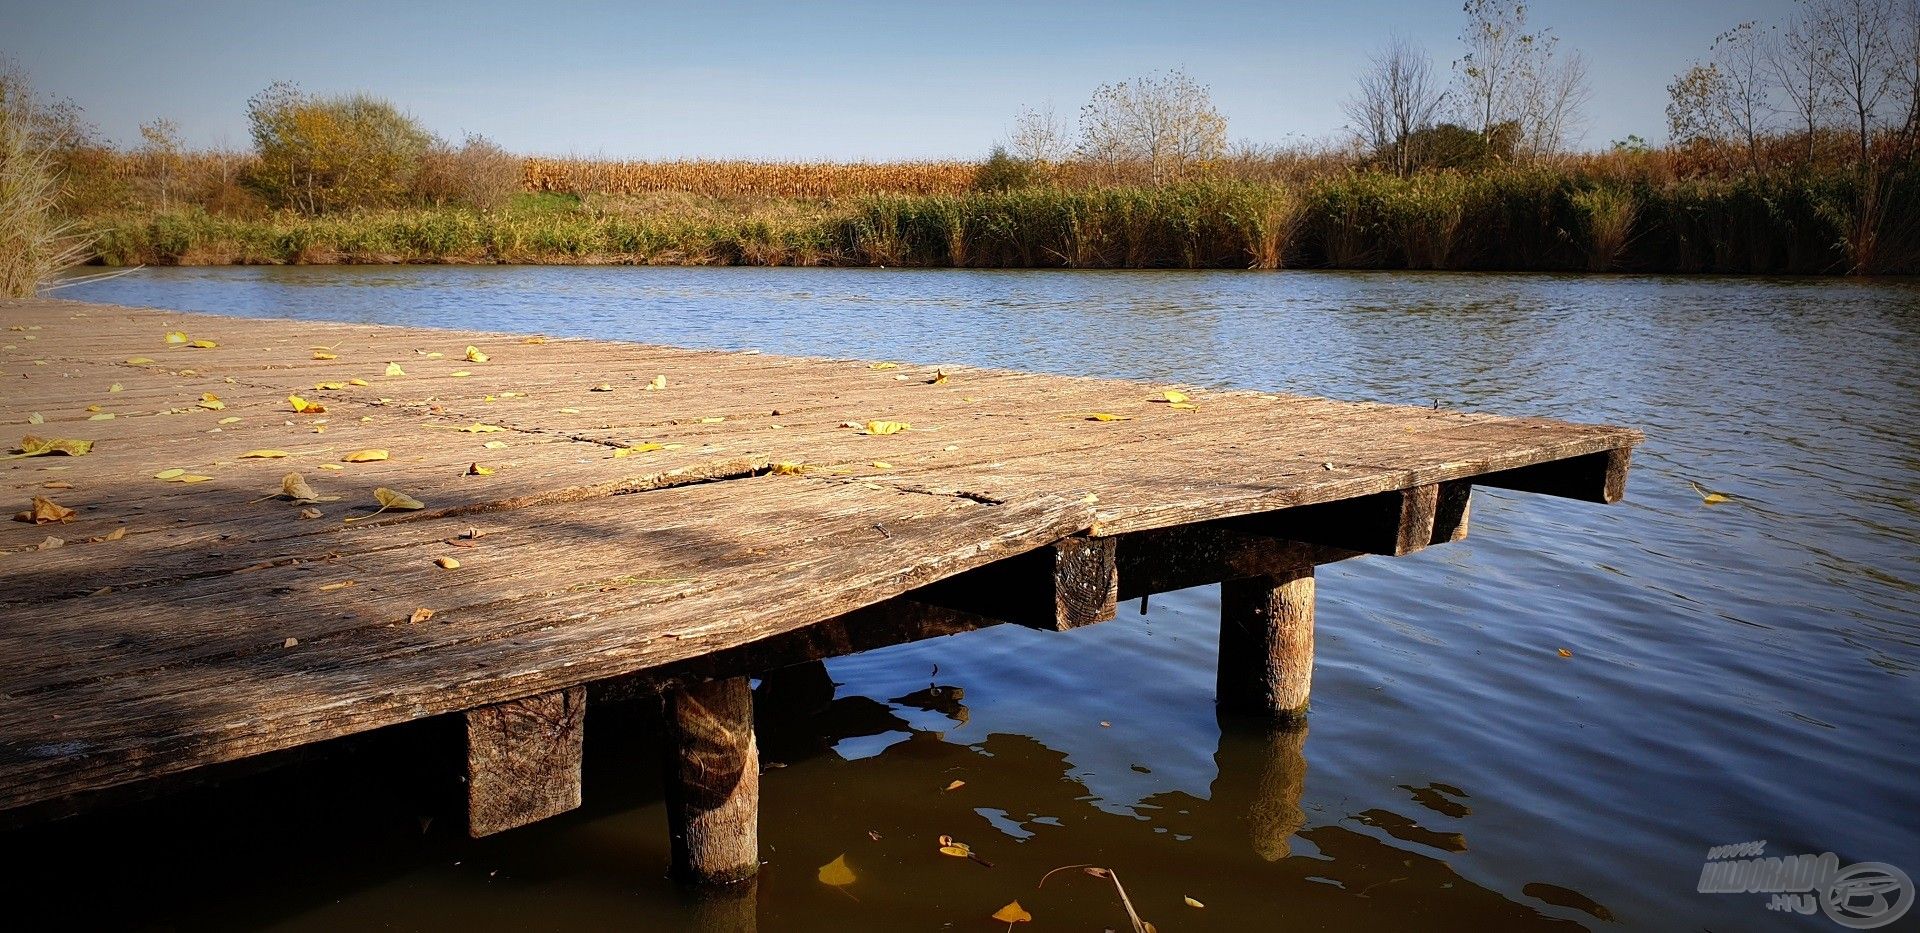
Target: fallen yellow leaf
{"points": [[294, 487], [884, 366], [31, 446], [229, 420], [716, 420], [193, 478], [357, 381], [1192, 903], [1013, 913], [176, 336], [45, 511], [956, 785], [369, 455], [103, 416], [210, 402], [391, 499], [475, 469], [602, 387], [536, 338], [494, 445], [114, 388], [393, 369], [263, 455], [139, 361], [836, 872], [1566, 653], [659, 382], [475, 356], [956, 850], [420, 615], [882, 465], [787, 468], [304, 407], [1173, 395], [447, 563], [569, 411], [324, 355], [329, 466], [887, 427], [203, 344], [1708, 496], [1103, 416], [329, 386], [478, 428], [34, 417], [169, 474]]}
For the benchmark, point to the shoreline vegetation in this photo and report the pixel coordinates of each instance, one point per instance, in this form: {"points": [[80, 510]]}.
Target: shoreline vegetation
{"points": [[1795, 149]]}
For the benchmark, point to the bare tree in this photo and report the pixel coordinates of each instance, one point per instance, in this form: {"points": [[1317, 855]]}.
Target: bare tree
{"points": [[1509, 75], [1798, 59], [1039, 136], [1859, 36], [160, 150], [1164, 122], [1398, 97], [1741, 58]]}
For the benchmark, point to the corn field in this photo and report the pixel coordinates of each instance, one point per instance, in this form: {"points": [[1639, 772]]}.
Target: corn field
{"points": [[769, 179]]}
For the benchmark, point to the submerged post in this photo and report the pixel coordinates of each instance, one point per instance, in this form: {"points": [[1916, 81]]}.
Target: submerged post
{"points": [[1266, 644], [713, 782]]}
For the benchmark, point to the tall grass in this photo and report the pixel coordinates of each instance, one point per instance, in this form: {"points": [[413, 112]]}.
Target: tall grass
{"points": [[34, 243]]}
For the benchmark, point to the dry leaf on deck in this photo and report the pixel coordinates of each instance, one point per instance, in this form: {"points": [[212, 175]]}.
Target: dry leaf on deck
{"points": [[103, 416], [658, 383], [304, 407], [31, 446], [1192, 903], [210, 402], [263, 455], [329, 386], [956, 785], [324, 355], [391, 499], [482, 429], [34, 417], [357, 381], [475, 469], [203, 344], [393, 369], [536, 338], [139, 361], [447, 563], [475, 356], [420, 615], [294, 487], [886, 427], [940, 378], [884, 366], [170, 474], [1174, 396], [1103, 416], [602, 387], [176, 337], [494, 445], [45, 511], [309, 512], [369, 455]]}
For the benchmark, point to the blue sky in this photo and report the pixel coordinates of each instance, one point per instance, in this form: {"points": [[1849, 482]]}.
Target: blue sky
{"points": [[842, 80]]}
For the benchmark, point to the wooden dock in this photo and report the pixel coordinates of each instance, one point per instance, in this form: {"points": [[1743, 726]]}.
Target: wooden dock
{"points": [[211, 582]]}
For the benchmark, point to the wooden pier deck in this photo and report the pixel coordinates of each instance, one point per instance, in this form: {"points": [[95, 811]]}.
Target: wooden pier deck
{"points": [[661, 517]]}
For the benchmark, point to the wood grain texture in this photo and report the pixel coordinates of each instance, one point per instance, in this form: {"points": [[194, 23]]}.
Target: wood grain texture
{"points": [[604, 528], [523, 760], [1266, 644], [713, 782]]}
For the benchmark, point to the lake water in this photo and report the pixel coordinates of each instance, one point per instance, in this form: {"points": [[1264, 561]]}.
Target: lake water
{"points": [[1742, 671]]}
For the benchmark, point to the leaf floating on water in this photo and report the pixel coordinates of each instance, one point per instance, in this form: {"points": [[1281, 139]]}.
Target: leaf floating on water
{"points": [[176, 337], [1103, 416], [1013, 913], [45, 511], [31, 446], [474, 355], [393, 369], [1192, 903], [447, 563], [1708, 496], [1566, 652], [956, 785], [211, 402], [886, 427], [391, 499], [263, 455], [836, 873], [304, 407]]}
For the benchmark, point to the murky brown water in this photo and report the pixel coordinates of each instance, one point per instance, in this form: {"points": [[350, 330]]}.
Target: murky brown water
{"points": [[1740, 672]]}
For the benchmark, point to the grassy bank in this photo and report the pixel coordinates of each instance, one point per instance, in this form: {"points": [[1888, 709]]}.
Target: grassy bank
{"points": [[1522, 220]]}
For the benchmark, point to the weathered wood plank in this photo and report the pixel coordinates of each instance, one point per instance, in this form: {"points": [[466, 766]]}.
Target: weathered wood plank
{"points": [[1074, 582], [523, 760], [1596, 477]]}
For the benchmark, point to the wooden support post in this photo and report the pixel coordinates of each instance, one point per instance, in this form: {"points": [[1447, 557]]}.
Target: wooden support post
{"points": [[523, 760], [1072, 583], [1599, 477], [713, 782], [1266, 644]]}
